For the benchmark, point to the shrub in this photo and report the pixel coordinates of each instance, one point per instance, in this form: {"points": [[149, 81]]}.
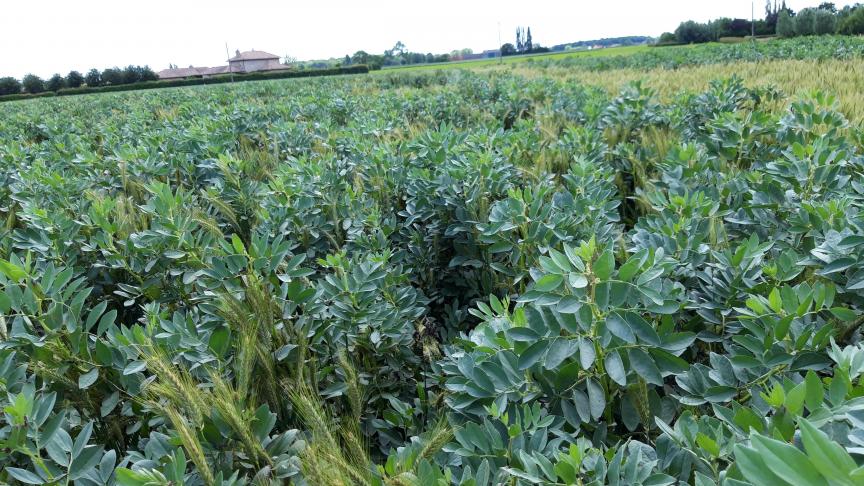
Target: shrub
{"points": [[9, 86], [33, 84]]}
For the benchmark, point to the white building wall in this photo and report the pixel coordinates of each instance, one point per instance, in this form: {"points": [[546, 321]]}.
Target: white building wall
{"points": [[255, 65]]}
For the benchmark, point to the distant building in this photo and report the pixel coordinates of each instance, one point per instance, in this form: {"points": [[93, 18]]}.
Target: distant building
{"points": [[249, 61], [242, 62]]}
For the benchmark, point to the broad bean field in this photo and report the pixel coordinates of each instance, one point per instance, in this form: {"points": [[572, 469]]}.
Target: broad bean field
{"points": [[434, 278]]}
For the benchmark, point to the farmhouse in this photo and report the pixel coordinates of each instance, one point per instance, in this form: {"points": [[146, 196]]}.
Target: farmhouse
{"points": [[242, 62]]}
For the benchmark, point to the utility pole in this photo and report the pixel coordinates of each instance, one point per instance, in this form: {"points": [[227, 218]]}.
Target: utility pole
{"points": [[500, 52], [753, 21], [228, 53]]}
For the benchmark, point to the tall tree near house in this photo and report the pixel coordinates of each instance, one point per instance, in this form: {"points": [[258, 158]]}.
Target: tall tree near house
{"points": [[74, 79], [529, 46], [55, 83], [94, 77], [9, 85], [772, 9], [33, 84], [519, 45]]}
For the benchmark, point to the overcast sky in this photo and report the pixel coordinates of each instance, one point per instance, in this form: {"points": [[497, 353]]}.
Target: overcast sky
{"points": [[51, 36]]}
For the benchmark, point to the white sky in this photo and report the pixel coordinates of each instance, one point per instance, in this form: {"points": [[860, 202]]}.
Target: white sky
{"points": [[50, 36]]}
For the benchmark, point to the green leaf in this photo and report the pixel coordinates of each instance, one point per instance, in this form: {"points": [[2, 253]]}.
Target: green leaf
{"points": [[12, 271], [87, 379], [548, 283], [843, 314], [628, 270], [559, 350], [5, 303], [577, 280], [753, 468], [615, 368], [786, 461], [24, 475], [134, 367], [828, 457], [604, 265], [839, 387], [747, 419], [109, 403], [596, 398], [815, 391], [569, 305], [709, 444], [620, 328], [645, 366], [776, 397], [532, 354], [220, 341], [795, 399], [587, 354], [774, 301]]}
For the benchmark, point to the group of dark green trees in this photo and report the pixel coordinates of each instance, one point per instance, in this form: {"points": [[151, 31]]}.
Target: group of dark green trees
{"points": [[112, 76], [398, 55], [524, 44], [779, 20]]}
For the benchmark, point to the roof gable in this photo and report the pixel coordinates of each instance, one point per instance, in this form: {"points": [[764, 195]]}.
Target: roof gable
{"points": [[252, 55]]}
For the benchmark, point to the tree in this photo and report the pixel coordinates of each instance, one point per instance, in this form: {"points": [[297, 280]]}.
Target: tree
{"points": [[148, 74], [93, 78], [691, 32], [785, 24], [9, 85], [360, 57], [508, 49], [55, 83], [374, 61], [74, 79], [520, 45], [529, 46], [828, 7], [667, 38], [347, 60], [805, 22], [853, 24], [824, 22], [112, 76], [772, 10], [33, 84], [398, 49]]}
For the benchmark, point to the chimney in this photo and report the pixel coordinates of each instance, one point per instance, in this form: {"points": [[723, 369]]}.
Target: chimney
{"points": [[237, 52]]}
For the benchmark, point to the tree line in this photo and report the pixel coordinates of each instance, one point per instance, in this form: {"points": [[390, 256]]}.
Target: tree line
{"points": [[398, 55], [33, 84], [779, 20]]}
